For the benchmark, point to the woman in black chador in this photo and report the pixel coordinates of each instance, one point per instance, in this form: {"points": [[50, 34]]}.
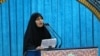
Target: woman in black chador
{"points": [[36, 31]]}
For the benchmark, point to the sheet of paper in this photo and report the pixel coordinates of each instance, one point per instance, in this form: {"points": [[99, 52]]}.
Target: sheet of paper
{"points": [[46, 43]]}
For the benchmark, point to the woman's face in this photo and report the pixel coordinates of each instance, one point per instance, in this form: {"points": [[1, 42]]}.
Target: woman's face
{"points": [[39, 22]]}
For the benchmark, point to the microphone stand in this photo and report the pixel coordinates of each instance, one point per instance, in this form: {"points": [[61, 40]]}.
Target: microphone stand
{"points": [[54, 34]]}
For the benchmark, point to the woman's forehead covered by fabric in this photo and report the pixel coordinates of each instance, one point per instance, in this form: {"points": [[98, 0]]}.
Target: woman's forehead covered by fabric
{"points": [[35, 15]]}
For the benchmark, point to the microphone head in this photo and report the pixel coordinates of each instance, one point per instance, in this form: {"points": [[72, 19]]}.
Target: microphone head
{"points": [[46, 24]]}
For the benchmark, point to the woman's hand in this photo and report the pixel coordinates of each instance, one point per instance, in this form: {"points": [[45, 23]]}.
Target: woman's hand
{"points": [[39, 48]]}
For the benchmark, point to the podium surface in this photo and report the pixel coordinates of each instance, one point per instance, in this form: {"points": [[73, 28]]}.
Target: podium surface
{"points": [[65, 52]]}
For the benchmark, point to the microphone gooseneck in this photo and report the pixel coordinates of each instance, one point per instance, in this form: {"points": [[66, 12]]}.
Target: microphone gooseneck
{"points": [[54, 33]]}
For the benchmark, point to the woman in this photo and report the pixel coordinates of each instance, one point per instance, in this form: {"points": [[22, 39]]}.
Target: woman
{"points": [[36, 31]]}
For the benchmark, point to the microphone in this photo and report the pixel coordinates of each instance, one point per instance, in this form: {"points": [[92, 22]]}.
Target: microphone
{"points": [[46, 24], [53, 34]]}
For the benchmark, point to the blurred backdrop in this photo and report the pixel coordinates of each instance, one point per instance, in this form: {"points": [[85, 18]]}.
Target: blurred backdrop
{"points": [[75, 24]]}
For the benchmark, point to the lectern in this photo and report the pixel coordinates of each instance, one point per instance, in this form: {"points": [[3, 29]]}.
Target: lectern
{"points": [[64, 52]]}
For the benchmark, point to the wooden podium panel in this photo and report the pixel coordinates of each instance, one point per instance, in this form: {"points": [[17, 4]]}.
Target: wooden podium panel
{"points": [[71, 52]]}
